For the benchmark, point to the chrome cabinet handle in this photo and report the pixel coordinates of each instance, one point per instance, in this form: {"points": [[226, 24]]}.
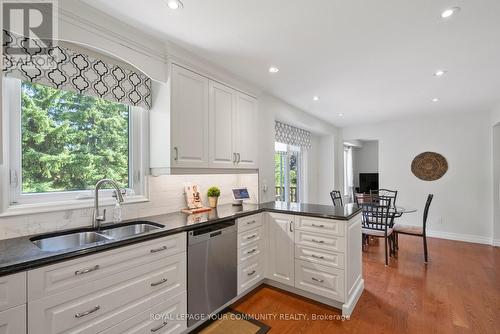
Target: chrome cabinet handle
{"points": [[176, 156], [156, 329], [318, 241], [163, 280], [314, 225], [156, 250], [251, 237], [317, 280], [252, 251], [251, 273], [239, 158], [88, 270], [251, 222], [291, 223], [95, 309], [317, 256], [235, 158]]}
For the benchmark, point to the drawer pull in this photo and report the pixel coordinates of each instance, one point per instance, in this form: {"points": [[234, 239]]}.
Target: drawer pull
{"points": [[251, 273], [156, 329], [252, 251], [156, 250], [88, 270], [95, 309], [318, 241], [251, 222], [317, 280], [251, 237], [317, 256], [314, 225], [163, 280]]}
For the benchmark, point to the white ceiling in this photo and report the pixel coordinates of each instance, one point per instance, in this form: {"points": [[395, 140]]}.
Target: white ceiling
{"points": [[370, 60]]}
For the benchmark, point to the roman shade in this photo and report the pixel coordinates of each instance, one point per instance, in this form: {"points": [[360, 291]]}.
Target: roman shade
{"points": [[67, 69], [291, 135]]}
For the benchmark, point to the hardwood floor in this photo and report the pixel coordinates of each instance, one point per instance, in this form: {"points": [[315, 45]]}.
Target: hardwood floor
{"points": [[457, 292]]}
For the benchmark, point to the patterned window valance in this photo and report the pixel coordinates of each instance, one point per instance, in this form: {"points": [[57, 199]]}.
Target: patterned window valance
{"points": [[66, 69], [291, 135]]}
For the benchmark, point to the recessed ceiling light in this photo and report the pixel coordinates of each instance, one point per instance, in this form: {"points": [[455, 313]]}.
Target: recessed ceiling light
{"points": [[449, 12], [440, 73], [316, 98], [175, 4], [340, 114], [273, 69], [435, 99]]}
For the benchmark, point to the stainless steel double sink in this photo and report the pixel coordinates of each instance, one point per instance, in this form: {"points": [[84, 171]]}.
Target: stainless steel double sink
{"points": [[74, 240]]}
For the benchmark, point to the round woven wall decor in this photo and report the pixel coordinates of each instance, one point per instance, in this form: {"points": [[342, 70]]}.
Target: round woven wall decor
{"points": [[429, 166]]}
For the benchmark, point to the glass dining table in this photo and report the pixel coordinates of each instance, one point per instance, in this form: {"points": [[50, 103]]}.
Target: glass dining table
{"points": [[398, 211]]}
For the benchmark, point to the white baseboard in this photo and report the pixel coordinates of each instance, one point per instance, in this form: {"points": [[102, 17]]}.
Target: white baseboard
{"points": [[496, 242], [477, 239]]}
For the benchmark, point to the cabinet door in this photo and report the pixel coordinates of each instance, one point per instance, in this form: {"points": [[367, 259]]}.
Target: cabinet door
{"points": [[221, 117], [246, 131], [281, 248], [189, 119], [13, 320]]}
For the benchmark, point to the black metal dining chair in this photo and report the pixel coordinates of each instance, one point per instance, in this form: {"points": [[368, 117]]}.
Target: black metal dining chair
{"points": [[418, 231], [336, 198], [392, 194], [375, 222]]}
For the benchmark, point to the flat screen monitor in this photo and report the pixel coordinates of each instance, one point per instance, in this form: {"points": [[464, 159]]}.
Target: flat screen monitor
{"points": [[240, 193], [367, 182]]}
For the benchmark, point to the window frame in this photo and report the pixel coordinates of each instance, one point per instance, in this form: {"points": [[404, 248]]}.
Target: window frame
{"points": [[288, 150], [138, 119]]}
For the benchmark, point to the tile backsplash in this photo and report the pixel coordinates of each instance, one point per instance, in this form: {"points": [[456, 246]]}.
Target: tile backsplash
{"points": [[166, 194]]}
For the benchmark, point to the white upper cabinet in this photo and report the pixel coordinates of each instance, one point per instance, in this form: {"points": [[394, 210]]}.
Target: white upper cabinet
{"points": [[246, 131], [190, 137], [201, 123], [222, 112]]}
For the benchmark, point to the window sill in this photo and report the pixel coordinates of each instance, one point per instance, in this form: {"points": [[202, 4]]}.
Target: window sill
{"points": [[27, 209]]}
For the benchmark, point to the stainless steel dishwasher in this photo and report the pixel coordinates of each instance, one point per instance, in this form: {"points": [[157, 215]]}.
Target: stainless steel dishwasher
{"points": [[212, 269]]}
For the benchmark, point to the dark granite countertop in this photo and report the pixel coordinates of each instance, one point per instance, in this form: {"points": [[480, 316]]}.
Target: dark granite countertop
{"points": [[19, 254]]}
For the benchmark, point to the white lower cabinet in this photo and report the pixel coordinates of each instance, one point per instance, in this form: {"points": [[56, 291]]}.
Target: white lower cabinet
{"points": [[251, 251], [281, 248], [321, 280], [13, 320], [166, 317], [113, 296]]}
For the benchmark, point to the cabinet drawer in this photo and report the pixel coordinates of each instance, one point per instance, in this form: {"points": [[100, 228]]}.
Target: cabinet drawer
{"points": [[249, 273], [318, 225], [62, 276], [251, 251], [13, 320], [321, 280], [78, 311], [249, 222], [12, 290], [248, 237], [320, 256], [320, 241], [166, 317]]}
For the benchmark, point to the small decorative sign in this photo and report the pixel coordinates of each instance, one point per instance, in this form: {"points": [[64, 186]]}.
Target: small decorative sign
{"points": [[429, 166]]}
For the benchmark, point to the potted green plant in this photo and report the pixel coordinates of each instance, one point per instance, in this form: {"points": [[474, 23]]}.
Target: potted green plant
{"points": [[213, 194]]}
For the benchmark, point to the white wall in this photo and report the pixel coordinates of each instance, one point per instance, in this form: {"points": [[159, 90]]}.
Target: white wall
{"points": [[365, 159], [462, 207], [166, 196], [322, 174]]}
